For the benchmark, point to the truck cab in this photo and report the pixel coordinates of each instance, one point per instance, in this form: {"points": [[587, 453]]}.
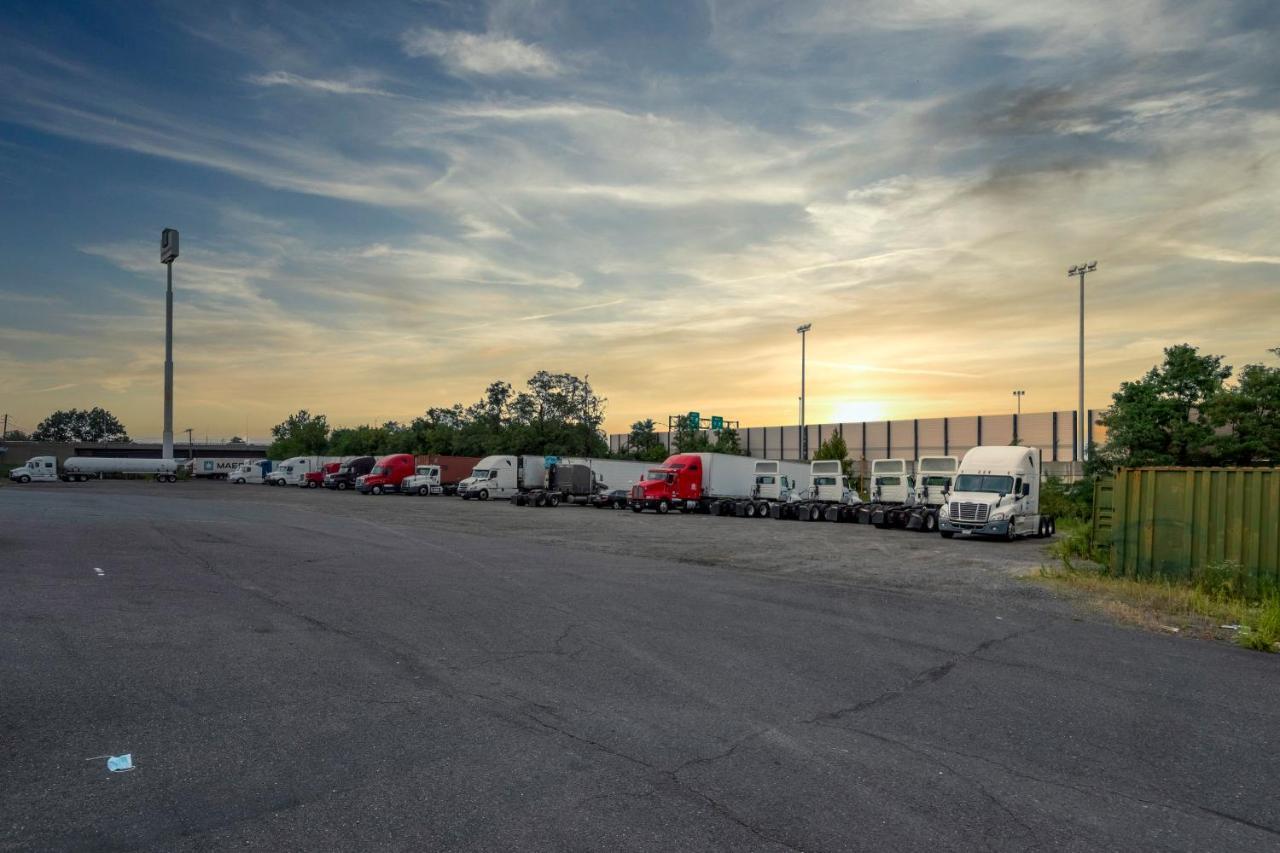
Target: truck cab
{"points": [[996, 493], [504, 476], [386, 475], [38, 469], [424, 481], [315, 479], [935, 477], [890, 482], [251, 471], [678, 479], [348, 472]]}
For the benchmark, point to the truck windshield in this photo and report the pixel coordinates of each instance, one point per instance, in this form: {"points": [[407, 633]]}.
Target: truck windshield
{"points": [[984, 483], [889, 481], [937, 481], [378, 469], [480, 474], [658, 477], [766, 480], [824, 481]]}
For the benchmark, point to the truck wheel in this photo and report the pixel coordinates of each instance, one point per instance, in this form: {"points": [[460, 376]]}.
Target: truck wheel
{"points": [[1053, 525], [24, 479], [930, 522], [749, 510], [637, 509], [663, 507], [239, 481], [377, 490], [815, 513], [422, 490], [484, 494], [342, 485], [1010, 535], [311, 484], [553, 501]]}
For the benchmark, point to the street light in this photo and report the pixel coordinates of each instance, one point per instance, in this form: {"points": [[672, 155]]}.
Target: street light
{"points": [[168, 253], [1081, 270], [1019, 395], [802, 330]]}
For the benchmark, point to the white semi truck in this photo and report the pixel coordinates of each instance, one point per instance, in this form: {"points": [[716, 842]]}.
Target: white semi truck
{"points": [[504, 476], [425, 480], [828, 498], [935, 477], [252, 471], [777, 485], [293, 471], [77, 469], [996, 493], [892, 487]]}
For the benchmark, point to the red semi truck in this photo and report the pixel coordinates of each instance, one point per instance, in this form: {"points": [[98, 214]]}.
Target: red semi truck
{"points": [[315, 479], [387, 474], [695, 481]]}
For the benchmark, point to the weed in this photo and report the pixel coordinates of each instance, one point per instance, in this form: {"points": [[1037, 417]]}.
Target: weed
{"points": [[1075, 542]]}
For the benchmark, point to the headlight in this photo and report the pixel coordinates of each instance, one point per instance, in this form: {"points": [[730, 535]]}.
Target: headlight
{"points": [[999, 515]]}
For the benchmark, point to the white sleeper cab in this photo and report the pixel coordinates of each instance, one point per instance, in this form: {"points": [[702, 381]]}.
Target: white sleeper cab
{"points": [[996, 493]]}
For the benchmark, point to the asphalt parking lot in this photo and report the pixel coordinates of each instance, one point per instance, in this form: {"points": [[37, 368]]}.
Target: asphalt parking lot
{"points": [[296, 670]]}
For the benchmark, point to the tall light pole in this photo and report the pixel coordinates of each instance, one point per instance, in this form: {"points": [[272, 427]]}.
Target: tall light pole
{"points": [[804, 438], [168, 253], [1019, 395], [1081, 270]]}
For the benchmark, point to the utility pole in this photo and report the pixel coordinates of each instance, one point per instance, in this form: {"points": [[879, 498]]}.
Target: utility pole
{"points": [[4, 433], [804, 437], [191, 450], [1080, 270], [168, 253]]}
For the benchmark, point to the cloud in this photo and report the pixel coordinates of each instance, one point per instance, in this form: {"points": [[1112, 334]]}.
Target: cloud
{"points": [[480, 53], [294, 81]]}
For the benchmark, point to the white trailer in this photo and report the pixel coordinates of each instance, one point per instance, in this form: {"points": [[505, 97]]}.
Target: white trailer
{"points": [[213, 467], [997, 493], [611, 474], [293, 471], [77, 469]]}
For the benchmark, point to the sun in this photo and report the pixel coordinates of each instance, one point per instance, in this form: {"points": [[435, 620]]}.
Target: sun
{"points": [[858, 411]]}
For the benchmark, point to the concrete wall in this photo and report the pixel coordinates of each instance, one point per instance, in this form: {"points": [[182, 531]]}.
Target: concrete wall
{"points": [[18, 452]]}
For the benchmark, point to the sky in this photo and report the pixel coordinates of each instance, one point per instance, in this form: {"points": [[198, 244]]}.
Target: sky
{"points": [[385, 211]]}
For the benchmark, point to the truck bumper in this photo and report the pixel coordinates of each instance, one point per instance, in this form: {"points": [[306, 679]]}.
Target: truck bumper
{"points": [[991, 528]]}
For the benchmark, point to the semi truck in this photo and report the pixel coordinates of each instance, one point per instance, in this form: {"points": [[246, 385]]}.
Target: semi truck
{"points": [[996, 493], [425, 480], [935, 477], [453, 469], [348, 472], [386, 475], [563, 482], [252, 471], [892, 489], [213, 468], [293, 471], [776, 484], [504, 476], [77, 469], [828, 498], [315, 479], [702, 482]]}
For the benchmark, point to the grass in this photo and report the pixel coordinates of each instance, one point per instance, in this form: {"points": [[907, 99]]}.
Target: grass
{"points": [[1217, 602]]}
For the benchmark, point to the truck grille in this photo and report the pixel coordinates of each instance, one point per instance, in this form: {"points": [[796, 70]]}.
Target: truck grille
{"points": [[969, 511], [637, 493]]}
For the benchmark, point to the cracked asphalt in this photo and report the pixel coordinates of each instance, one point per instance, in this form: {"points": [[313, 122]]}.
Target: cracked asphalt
{"points": [[303, 671]]}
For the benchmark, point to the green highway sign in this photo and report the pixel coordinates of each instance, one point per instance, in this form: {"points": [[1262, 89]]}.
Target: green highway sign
{"points": [[717, 422], [695, 420]]}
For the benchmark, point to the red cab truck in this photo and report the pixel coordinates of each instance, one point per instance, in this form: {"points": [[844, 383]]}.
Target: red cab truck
{"points": [[695, 481], [315, 479], [386, 474]]}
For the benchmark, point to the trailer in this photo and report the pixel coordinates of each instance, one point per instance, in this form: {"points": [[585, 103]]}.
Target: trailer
{"points": [[997, 493], [293, 471], [696, 482], [829, 496], [451, 471], [78, 469], [504, 476], [213, 467]]}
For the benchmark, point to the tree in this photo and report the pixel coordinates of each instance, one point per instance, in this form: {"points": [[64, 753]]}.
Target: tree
{"points": [[643, 442], [300, 434], [235, 439], [1160, 419], [689, 440], [80, 425], [835, 448], [1250, 414], [727, 442], [15, 435]]}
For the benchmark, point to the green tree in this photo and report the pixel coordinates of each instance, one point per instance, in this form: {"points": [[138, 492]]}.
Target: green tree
{"points": [[1250, 414], [643, 442], [835, 448], [727, 441], [94, 424], [689, 440], [235, 439], [300, 434], [1160, 419]]}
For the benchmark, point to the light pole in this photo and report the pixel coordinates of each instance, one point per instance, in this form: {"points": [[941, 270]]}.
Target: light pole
{"points": [[1019, 395], [1080, 270], [804, 438], [168, 253]]}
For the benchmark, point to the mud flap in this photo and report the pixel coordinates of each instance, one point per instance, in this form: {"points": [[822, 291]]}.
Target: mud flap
{"points": [[832, 513], [915, 520]]}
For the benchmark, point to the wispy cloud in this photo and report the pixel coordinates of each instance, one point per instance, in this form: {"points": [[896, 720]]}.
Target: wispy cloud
{"points": [[295, 81], [480, 53]]}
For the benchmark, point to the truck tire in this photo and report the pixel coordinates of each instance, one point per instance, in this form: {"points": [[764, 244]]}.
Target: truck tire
{"points": [[748, 510], [311, 484], [484, 495], [239, 481], [815, 513], [663, 507], [342, 485], [930, 522], [947, 534], [377, 490], [423, 490], [1053, 525], [553, 501], [637, 509], [1010, 534], [24, 479]]}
